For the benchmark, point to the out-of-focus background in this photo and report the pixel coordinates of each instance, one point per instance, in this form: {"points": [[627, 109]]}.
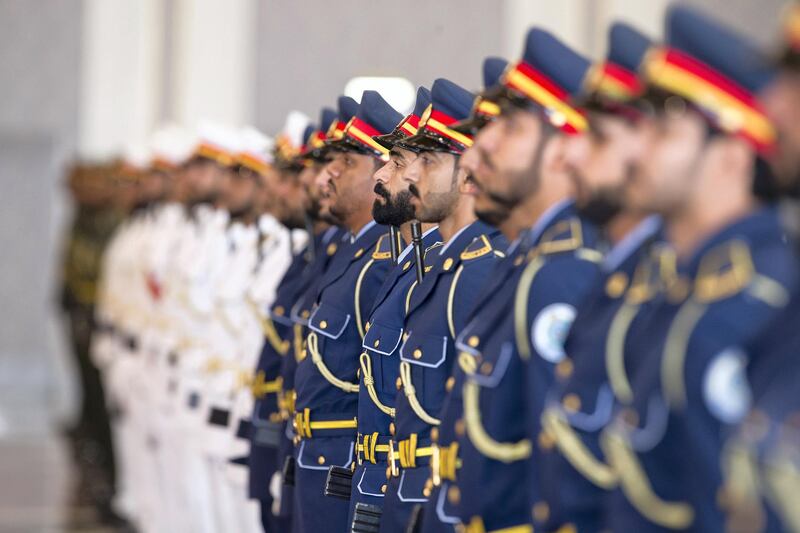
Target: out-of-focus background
{"points": [[81, 79]]}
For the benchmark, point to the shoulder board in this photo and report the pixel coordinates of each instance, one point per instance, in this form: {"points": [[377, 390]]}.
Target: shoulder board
{"points": [[477, 248], [728, 269], [383, 250], [566, 236], [437, 244]]}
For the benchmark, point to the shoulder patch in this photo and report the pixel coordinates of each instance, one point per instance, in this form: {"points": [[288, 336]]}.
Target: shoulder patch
{"points": [[383, 250], [724, 271], [477, 248], [437, 244], [565, 236]]}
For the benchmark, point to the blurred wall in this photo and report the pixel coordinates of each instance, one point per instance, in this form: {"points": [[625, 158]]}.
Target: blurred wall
{"points": [[39, 86], [308, 50]]}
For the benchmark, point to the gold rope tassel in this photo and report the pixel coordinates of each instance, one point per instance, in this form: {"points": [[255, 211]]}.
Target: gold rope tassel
{"points": [[411, 394], [369, 381], [316, 357]]}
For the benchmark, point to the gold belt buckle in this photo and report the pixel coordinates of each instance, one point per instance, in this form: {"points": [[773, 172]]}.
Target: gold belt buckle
{"points": [[435, 476], [393, 460]]}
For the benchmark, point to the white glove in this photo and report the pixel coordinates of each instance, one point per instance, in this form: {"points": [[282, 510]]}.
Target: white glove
{"points": [[275, 485]]}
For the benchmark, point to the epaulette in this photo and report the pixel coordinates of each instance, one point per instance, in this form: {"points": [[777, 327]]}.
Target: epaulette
{"points": [[728, 269], [566, 236], [477, 248], [383, 250]]}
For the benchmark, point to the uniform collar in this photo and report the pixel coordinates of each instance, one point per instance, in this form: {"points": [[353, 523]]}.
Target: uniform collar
{"points": [[631, 242], [550, 214], [453, 238], [410, 246], [368, 226]]}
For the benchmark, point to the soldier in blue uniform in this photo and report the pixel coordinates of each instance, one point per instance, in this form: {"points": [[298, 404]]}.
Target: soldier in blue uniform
{"points": [[601, 163], [378, 360], [761, 461], [437, 307], [326, 382], [735, 274], [329, 237], [437, 311], [513, 341], [267, 420]]}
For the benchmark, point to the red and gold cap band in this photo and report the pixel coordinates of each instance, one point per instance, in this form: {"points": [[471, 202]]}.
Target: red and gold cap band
{"points": [[214, 153], [537, 87], [438, 123], [335, 131], [614, 81], [363, 133], [731, 107], [409, 125], [160, 163]]}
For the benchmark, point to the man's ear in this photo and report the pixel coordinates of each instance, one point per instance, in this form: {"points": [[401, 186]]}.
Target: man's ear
{"points": [[465, 186]]}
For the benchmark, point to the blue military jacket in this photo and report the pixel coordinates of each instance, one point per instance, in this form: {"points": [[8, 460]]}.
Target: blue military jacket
{"points": [[326, 381], [266, 419], [691, 383], [438, 310], [509, 351], [380, 364], [576, 460], [762, 460]]}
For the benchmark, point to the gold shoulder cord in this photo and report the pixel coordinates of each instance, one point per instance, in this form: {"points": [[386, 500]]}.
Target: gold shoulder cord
{"points": [[299, 353], [408, 295], [270, 333], [675, 348], [578, 455], [500, 451], [451, 300], [637, 488], [521, 306], [411, 394], [369, 381], [316, 357], [359, 281], [615, 352], [783, 483]]}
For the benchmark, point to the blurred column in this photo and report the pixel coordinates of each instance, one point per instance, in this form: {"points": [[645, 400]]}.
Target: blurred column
{"points": [[120, 75], [214, 61]]}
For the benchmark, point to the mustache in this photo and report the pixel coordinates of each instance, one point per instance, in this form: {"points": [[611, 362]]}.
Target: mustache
{"points": [[381, 190]]}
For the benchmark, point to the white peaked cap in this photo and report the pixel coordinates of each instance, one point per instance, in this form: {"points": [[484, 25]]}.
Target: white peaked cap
{"points": [[256, 145], [172, 145], [217, 142], [296, 123], [136, 155]]}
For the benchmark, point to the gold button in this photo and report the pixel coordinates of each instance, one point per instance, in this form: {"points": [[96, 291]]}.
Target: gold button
{"points": [[353, 467], [453, 495], [388, 472], [459, 427], [426, 492], [417, 353], [305, 314], [383, 489], [406, 265], [331, 248], [405, 336], [376, 343], [447, 263], [321, 459], [486, 368], [279, 310], [546, 441], [448, 385], [541, 511], [571, 402], [616, 284], [398, 383], [473, 341], [564, 368], [391, 428], [323, 324], [434, 434], [366, 328], [518, 261], [359, 253]]}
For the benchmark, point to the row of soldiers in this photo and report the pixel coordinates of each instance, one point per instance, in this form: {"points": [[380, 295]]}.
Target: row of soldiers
{"points": [[565, 304]]}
